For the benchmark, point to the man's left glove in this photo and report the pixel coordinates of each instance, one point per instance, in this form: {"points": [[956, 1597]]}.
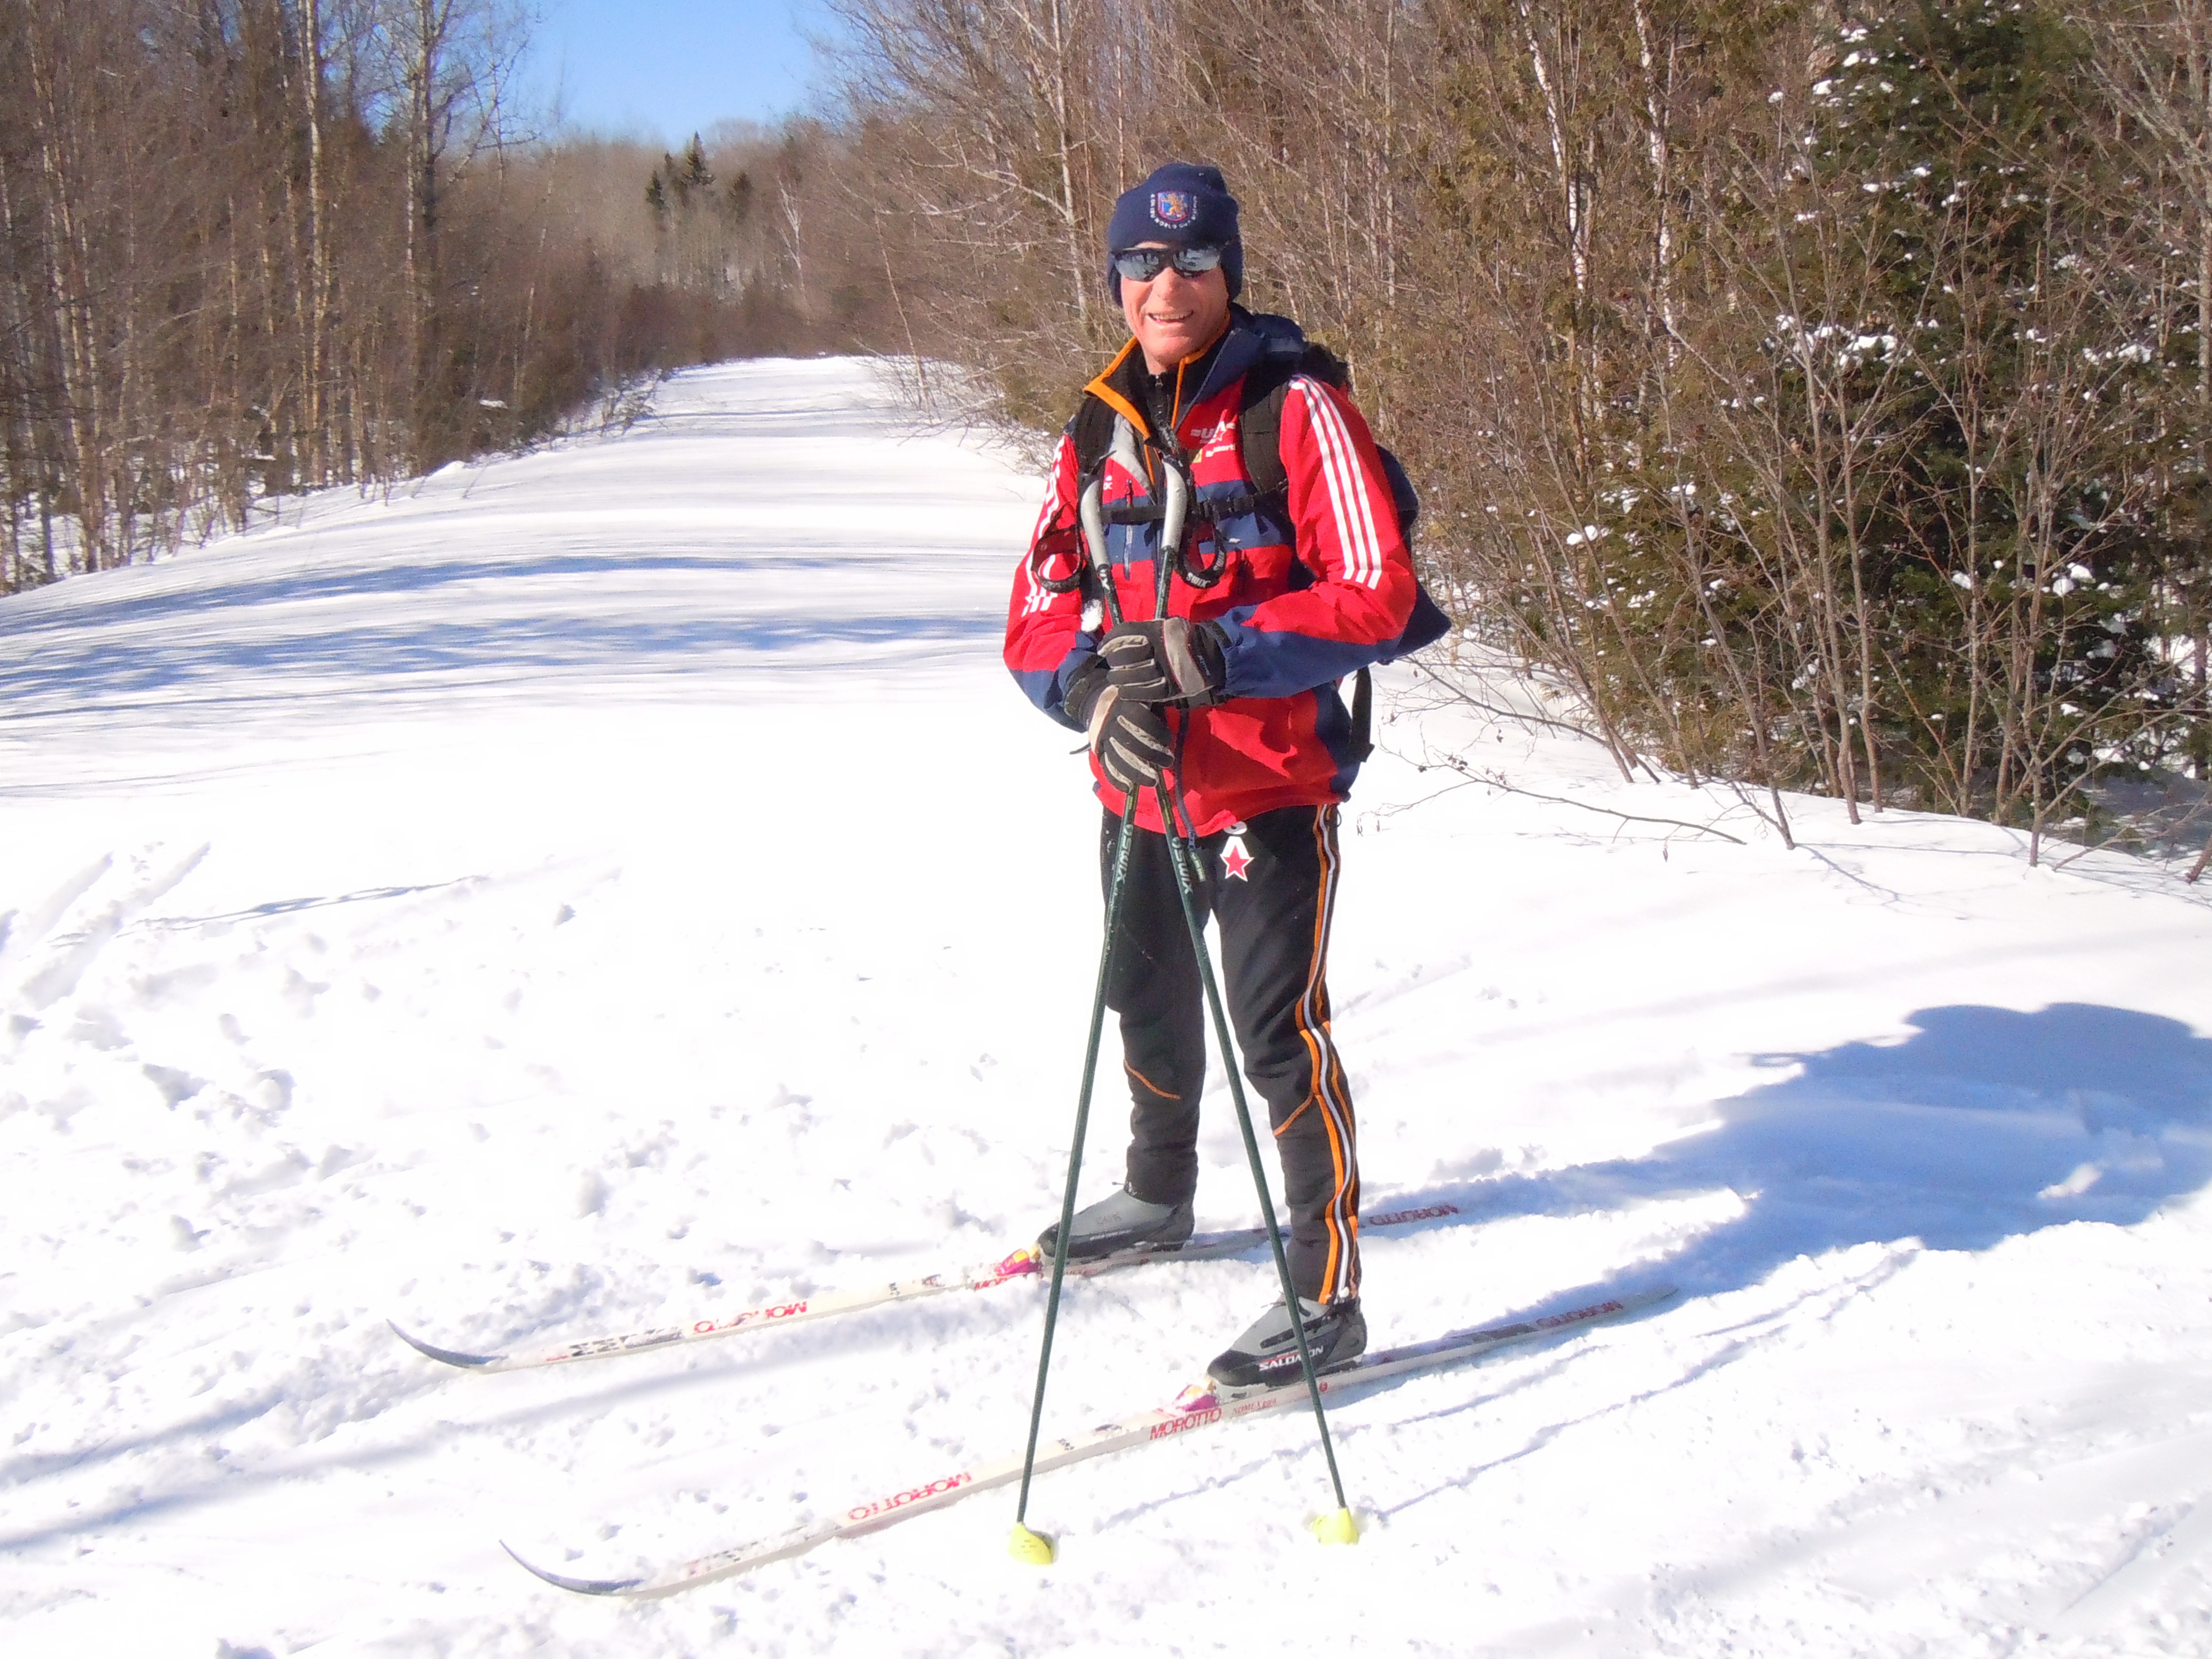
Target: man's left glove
{"points": [[1129, 738], [1169, 660]]}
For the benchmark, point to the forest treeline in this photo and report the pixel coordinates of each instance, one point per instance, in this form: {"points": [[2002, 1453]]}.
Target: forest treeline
{"points": [[1820, 394], [253, 247]]}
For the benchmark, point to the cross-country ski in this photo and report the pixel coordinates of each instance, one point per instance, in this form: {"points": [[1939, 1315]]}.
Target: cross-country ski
{"points": [[1199, 1407], [1027, 1263]]}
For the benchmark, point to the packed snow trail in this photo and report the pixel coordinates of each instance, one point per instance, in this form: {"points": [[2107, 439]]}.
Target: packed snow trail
{"points": [[621, 877]]}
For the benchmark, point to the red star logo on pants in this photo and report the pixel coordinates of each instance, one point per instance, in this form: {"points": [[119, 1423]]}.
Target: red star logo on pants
{"points": [[1235, 859]]}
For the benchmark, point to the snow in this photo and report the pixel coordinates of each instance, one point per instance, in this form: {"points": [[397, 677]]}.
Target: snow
{"points": [[619, 881]]}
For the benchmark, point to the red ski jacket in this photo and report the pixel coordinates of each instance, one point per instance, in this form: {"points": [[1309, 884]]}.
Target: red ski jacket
{"points": [[1315, 588]]}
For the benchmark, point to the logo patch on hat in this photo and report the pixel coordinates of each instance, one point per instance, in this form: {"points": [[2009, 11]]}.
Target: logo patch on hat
{"points": [[1173, 209]]}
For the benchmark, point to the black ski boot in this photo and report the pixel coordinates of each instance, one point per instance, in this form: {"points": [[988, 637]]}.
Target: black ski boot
{"points": [[1121, 1222], [1266, 1355]]}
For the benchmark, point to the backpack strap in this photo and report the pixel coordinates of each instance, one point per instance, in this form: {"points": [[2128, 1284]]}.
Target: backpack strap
{"points": [[1363, 716], [1260, 424], [1096, 430], [1092, 430]]}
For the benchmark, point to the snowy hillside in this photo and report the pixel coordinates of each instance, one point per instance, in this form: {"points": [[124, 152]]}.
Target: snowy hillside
{"points": [[620, 883]]}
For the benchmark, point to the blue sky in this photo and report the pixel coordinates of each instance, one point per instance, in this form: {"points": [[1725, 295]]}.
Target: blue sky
{"points": [[665, 68]]}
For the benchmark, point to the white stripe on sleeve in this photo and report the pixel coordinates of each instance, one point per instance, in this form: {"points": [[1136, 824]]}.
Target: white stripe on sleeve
{"points": [[1332, 471], [1347, 486]]}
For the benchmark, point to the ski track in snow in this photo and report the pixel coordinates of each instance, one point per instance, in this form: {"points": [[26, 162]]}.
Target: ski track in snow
{"points": [[619, 881]]}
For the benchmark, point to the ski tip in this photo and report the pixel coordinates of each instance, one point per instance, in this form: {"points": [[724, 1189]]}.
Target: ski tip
{"points": [[1336, 1528], [467, 1362], [1031, 1548], [581, 1586]]}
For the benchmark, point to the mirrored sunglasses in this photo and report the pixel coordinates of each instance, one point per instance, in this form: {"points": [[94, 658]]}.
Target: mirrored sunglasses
{"points": [[1142, 264]]}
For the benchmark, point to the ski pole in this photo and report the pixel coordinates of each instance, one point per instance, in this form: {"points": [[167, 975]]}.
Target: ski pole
{"points": [[1024, 1545], [1337, 1529], [1183, 857], [1027, 1546]]}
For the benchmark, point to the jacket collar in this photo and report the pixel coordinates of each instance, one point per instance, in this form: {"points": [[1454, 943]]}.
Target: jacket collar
{"points": [[1249, 337]]}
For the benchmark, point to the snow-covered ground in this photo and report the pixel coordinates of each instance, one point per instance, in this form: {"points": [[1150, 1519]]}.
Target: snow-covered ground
{"points": [[621, 881]]}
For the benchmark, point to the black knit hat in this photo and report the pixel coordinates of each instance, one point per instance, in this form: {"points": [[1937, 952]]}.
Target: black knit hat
{"points": [[1183, 206]]}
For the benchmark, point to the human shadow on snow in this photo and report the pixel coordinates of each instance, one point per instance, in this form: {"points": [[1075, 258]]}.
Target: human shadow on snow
{"points": [[1986, 1124]]}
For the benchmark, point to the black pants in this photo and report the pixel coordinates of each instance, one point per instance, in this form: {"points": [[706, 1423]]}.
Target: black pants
{"points": [[1269, 885]]}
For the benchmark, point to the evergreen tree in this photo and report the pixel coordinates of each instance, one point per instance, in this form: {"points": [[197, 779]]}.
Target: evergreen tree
{"points": [[2008, 563], [696, 174]]}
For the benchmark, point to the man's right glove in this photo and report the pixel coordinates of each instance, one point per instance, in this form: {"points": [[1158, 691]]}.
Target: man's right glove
{"points": [[1129, 738]]}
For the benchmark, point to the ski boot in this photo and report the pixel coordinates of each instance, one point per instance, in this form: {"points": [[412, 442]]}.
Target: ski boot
{"points": [[1266, 1355], [1121, 1222]]}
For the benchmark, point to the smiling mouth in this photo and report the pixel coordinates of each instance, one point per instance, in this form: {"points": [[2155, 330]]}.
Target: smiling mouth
{"points": [[1171, 316]]}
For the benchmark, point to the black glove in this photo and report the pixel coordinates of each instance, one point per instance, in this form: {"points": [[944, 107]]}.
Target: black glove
{"points": [[1167, 661], [1129, 738]]}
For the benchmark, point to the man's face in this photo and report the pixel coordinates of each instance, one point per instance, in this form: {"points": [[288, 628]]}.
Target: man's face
{"points": [[1175, 316]]}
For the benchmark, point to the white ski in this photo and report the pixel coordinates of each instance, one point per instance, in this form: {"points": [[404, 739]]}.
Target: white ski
{"points": [[1029, 1263], [1200, 1407]]}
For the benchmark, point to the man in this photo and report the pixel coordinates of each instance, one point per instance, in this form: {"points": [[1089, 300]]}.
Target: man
{"points": [[1231, 695]]}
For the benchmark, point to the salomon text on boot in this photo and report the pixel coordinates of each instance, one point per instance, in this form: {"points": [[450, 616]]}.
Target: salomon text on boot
{"points": [[1266, 1355]]}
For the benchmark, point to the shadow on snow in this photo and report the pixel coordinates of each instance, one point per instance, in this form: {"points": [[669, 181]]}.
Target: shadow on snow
{"points": [[1986, 1124], [232, 592], [115, 674]]}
